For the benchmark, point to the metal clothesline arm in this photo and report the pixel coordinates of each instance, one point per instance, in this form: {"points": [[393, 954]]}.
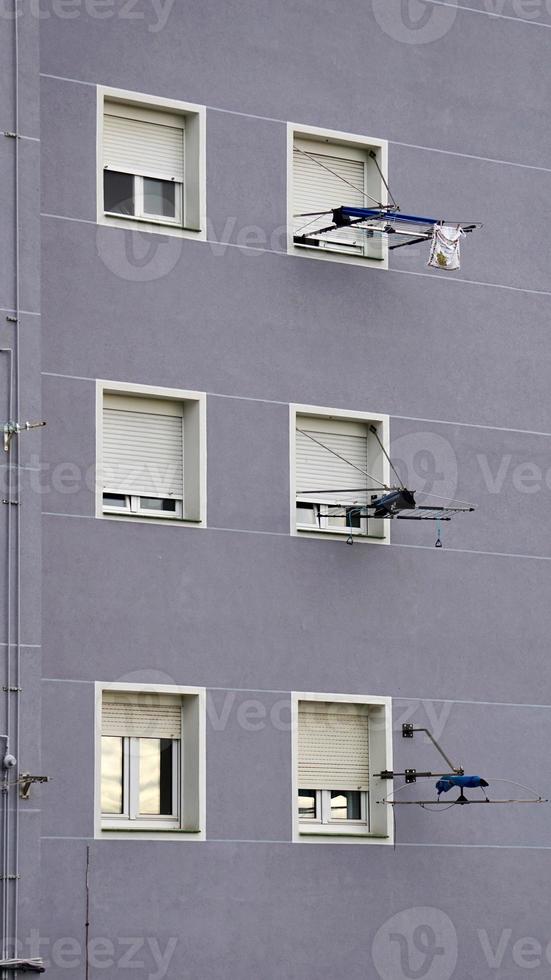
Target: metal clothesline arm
{"points": [[453, 802]]}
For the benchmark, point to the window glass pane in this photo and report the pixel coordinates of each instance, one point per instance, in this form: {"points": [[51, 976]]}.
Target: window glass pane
{"points": [[112, 770], [344, 517], [307, 514], [115, 500], [158, 503], [346, 805], [307, 804], [353, 518], [118, 192], [155, 764], [159, 197]]}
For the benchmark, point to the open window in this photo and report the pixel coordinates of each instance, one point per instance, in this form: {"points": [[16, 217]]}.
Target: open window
{"points": [[341, 744], [151, 162], [339, 467], [150, 764], [327, 171], [151, 453]]}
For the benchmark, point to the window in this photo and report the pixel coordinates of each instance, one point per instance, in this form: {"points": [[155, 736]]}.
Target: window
{"points": [[149, 758], [151, 162], [341, 745], [339, 468], [328, 170], [151, 453]]}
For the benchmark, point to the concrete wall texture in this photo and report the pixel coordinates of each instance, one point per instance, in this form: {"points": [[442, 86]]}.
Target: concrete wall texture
{"points": [[458, 638]]}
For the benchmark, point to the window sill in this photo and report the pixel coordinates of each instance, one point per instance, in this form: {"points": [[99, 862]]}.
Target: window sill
{"points": [[128, 833], [329, 830], [341, 837], [150, 225], [141, 519], [336, 255], [138, 219], [339, 533]]}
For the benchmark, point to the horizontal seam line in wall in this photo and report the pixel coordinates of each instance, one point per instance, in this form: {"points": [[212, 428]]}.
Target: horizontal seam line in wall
{"points": [[284, 122], [286, 534], [470, 156], [82, 517], [69, 377], [21, 136], [11, 309], [64, 217], [267, 690], [472, 425], [274, 401], [284, 254], [34, 646], [64, 680], [474, 551], [62, 837], [487, 13], [467, 282], [238, 840], [214, 840], [504, 847], [247, 398]]}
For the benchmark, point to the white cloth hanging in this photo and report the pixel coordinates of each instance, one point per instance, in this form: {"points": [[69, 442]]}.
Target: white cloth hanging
{"points": [[445, 247]]}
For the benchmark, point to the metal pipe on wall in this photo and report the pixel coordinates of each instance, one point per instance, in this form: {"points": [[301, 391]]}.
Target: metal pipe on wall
{"points": [[18, 472]]}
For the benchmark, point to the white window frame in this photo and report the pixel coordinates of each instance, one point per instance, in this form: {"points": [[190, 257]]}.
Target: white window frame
{"points": [[379, 529], [191, 220], [134, 505], [323, 823], [130, 816], [321, 511], [142, 215], [338, 139], [190, 823], [378, 827], [194, 510]]}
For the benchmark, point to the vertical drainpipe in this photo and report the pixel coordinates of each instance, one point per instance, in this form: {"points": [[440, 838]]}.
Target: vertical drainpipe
{"points": [[17, 694], [5, 792], [10, 857]]}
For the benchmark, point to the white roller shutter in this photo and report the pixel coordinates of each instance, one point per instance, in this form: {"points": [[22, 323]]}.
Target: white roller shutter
{"points": [[322, 181], [141, 715], [142, 451], [333, 749], [146, 147], [331, 461]]}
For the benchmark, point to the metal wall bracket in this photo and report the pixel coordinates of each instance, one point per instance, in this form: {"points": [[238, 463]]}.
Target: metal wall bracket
{"points": [[34, 965], [12, 429], [25, 783], [12, 319], [408, 731], [11, 690], [411, 775], [10, 503]]}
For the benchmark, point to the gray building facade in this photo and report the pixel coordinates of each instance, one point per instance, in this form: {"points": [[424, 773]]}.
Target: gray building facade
{"points": [[224, 606]]}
